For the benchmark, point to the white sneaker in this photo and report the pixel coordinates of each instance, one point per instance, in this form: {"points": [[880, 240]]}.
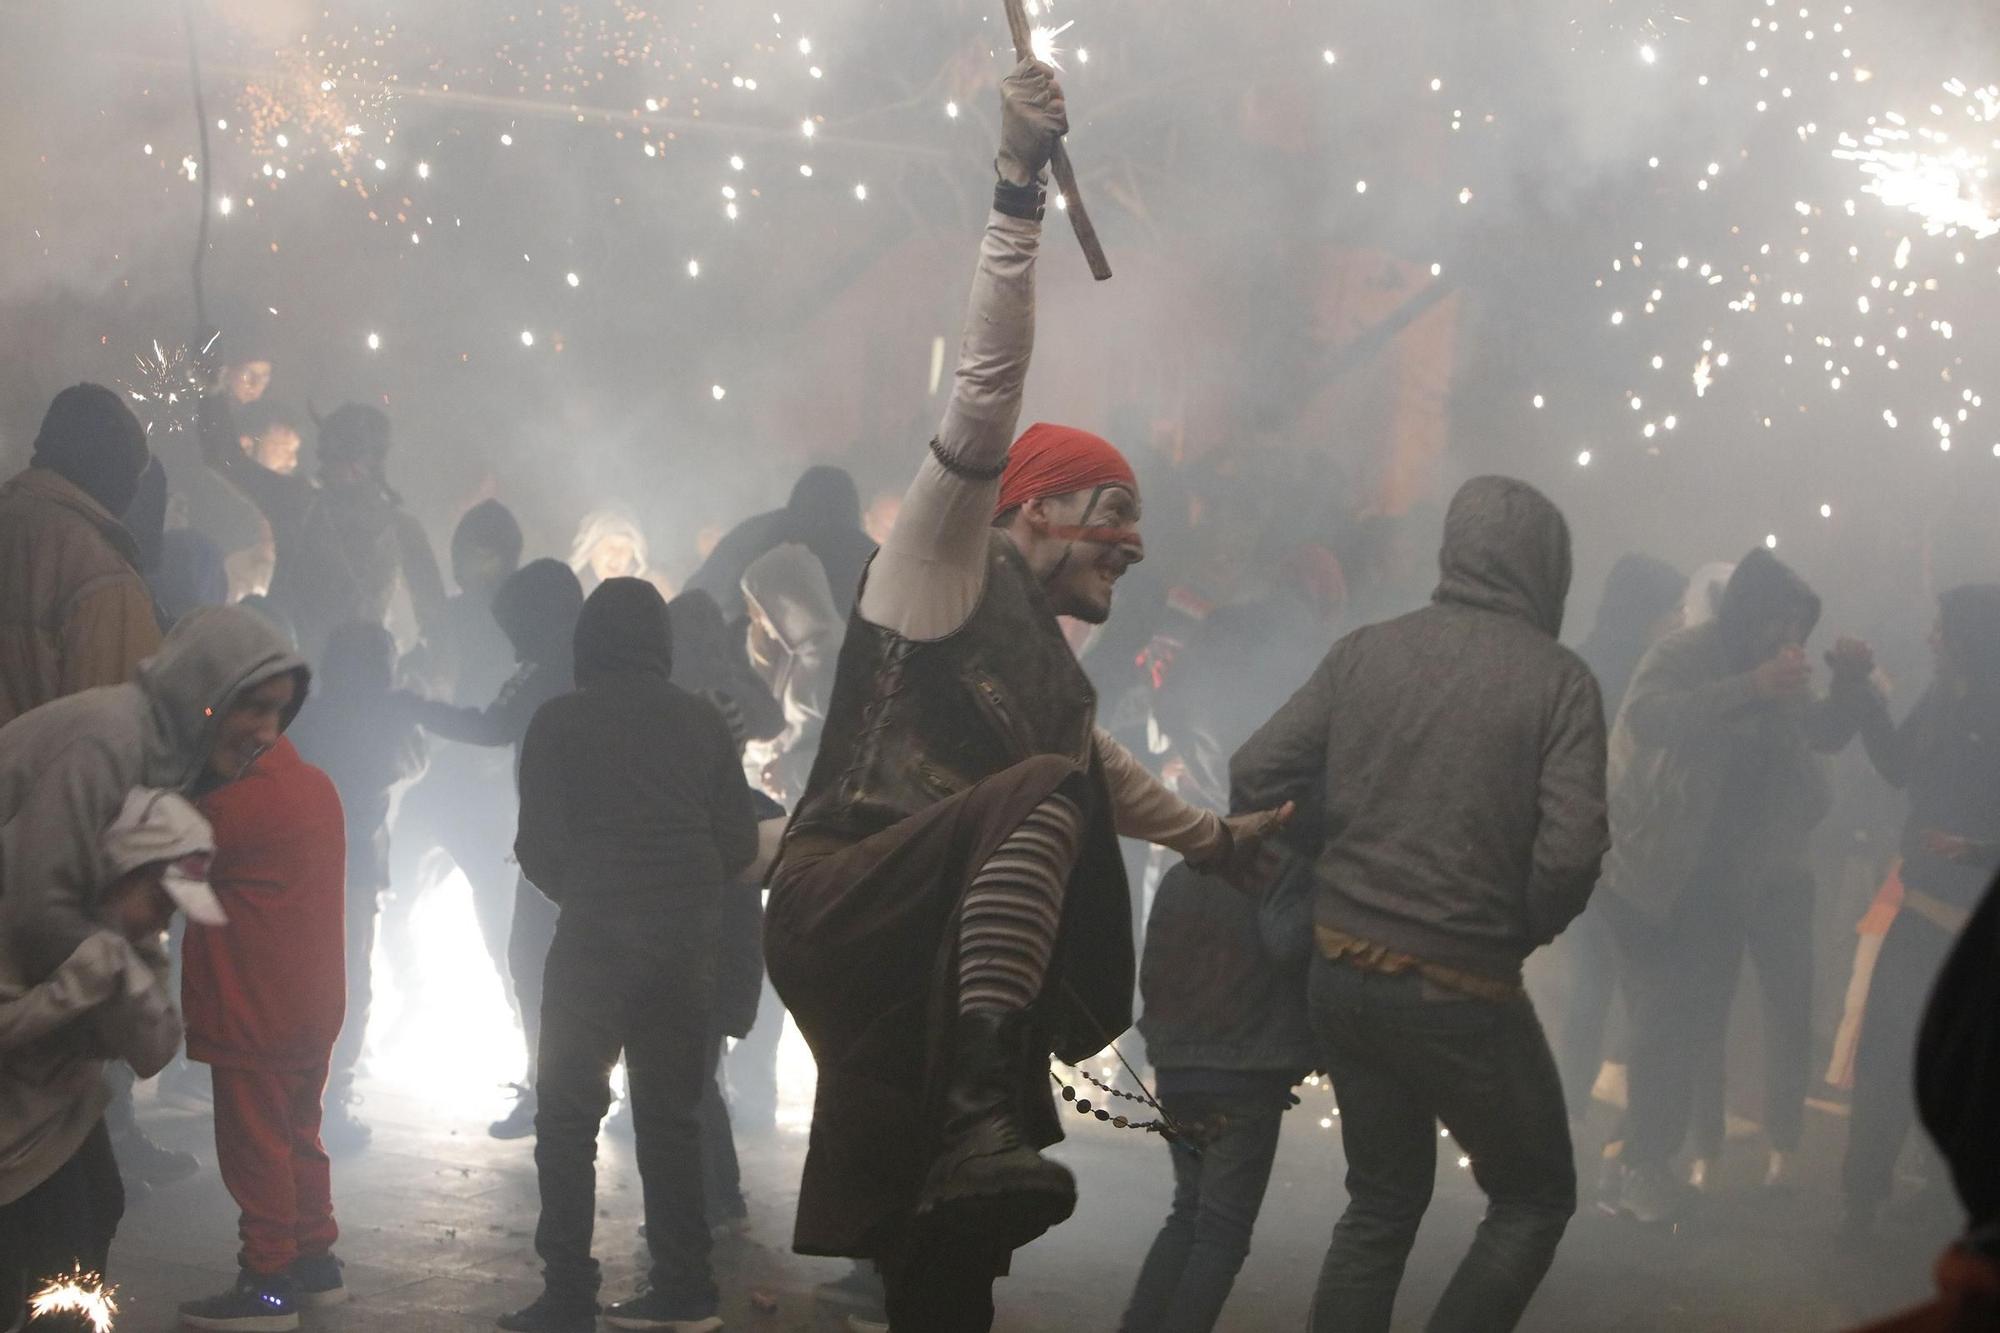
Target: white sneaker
{"points": [[1778, 1175], [1698, 1175]]}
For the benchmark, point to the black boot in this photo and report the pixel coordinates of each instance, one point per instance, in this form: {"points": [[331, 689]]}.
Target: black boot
{"points": [[987, 1184]]}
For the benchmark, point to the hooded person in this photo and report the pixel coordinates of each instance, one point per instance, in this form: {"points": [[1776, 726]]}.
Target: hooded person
{"points": [[461, 812], [949, 906], [109, 999], [344, 541], [1716, 785], [74, 610], [823, 514], [1704, 593], [1461, 748], [1942, 756], [609, 544], [795, 637], [264, 1000], [635, 819], [537, 609], [709, 661], [222, 687], [1643, 602]]}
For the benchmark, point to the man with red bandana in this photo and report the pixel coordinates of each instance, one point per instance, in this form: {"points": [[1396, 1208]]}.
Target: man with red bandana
{"points": [[950, 906]]}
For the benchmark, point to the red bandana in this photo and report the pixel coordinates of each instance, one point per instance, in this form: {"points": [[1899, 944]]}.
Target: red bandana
{"points": [[1059, 460]]}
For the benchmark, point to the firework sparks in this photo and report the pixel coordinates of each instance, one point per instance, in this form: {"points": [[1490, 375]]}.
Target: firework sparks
{"points": [[1043, 40], [172, 381], [79, 1293]]}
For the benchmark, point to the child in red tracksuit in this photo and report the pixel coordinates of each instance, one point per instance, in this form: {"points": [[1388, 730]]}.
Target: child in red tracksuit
{"points": [[264, 998]]}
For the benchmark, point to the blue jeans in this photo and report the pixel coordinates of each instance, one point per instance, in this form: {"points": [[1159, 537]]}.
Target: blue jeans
{"points": [[1217, 1192], [1404, 1055]]}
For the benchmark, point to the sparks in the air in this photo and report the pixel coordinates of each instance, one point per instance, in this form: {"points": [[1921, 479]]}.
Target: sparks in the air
{"points": [[717, 392], [1043, 42], [572, 279], [527, 337], [374, 342], [694, 268], [84, 1295]]}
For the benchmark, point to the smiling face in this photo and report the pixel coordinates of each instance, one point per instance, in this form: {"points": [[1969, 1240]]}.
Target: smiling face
{"points": [[250, 726], [1079, 546]]}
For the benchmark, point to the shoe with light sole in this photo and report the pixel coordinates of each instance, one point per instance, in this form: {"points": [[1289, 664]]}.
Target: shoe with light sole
{"points": [[256, 1304]]}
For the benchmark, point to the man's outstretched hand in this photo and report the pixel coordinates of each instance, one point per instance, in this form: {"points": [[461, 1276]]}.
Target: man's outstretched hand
{"points": [[1032, 119], [1248, 859]]}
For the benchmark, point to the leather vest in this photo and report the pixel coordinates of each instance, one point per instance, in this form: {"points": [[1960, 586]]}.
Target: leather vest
{"points": [[911, 723]]}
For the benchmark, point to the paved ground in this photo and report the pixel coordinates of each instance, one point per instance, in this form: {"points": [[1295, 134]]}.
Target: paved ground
{"points": [[437, 1221]]}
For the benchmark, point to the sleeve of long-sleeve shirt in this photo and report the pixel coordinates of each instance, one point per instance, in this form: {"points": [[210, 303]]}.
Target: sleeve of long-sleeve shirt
{"points": [[139, 1023], [734, 816], [927, 578], [86, 979], [1574, 831], [1892, 748], [53, 869], [1145, 809], [1285, 760], [1664, 704], [109, 630], [542, 835], [502, 722]]}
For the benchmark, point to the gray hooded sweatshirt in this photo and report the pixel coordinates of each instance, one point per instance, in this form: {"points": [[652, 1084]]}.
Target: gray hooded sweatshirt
{"points": [[66, 767], [1462, 749]]}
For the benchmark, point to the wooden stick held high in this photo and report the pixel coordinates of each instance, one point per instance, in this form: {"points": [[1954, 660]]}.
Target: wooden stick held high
{"points": [[1059, 164]]}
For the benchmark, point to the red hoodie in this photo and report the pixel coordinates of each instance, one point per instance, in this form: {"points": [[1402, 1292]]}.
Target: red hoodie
{"points": [[269, 990]]}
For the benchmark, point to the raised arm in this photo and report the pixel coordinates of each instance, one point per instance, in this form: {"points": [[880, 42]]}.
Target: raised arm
{"points": [[927, 578]]}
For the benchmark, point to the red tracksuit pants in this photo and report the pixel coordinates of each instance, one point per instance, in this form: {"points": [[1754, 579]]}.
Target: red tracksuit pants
{"points": [[267, 1144]]}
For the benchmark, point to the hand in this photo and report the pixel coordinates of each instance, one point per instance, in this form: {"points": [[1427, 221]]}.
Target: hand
{"points": [[1851, 659], [1947, 846], [1249, 860], [1786, 676], [1032, 119]]}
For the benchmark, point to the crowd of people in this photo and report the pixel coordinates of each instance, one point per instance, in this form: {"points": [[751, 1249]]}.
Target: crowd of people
{"points": [[938, 757]]}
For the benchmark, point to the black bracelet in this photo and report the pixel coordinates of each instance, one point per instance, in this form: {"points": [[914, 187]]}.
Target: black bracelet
{"points": [[1018, 201], [966, 470]]}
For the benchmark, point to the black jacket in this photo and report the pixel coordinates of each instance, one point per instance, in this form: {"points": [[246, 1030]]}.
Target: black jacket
{"points": [[632, 796]]}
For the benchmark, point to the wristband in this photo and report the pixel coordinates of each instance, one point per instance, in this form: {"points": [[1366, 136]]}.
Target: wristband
{"points": [[1018, 201]]}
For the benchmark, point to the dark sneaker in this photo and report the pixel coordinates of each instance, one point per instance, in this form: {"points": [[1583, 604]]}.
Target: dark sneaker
{"points": [[318, 1281], [551, 1315], [146, 1162], [256, 1304], [653, 1310], [518, 1123]]}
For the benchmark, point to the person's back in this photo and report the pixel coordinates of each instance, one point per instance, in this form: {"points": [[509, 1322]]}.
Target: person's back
{"points": [[624, 790], [1463, 754], [74, 611], [634, 815]]}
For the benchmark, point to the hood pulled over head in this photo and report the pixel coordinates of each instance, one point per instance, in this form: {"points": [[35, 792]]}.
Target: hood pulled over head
{"points": [[788, 584], [537, 609], [210, 658], [1762, 591], [1506, 549], [624, 630], [823, 498]]}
